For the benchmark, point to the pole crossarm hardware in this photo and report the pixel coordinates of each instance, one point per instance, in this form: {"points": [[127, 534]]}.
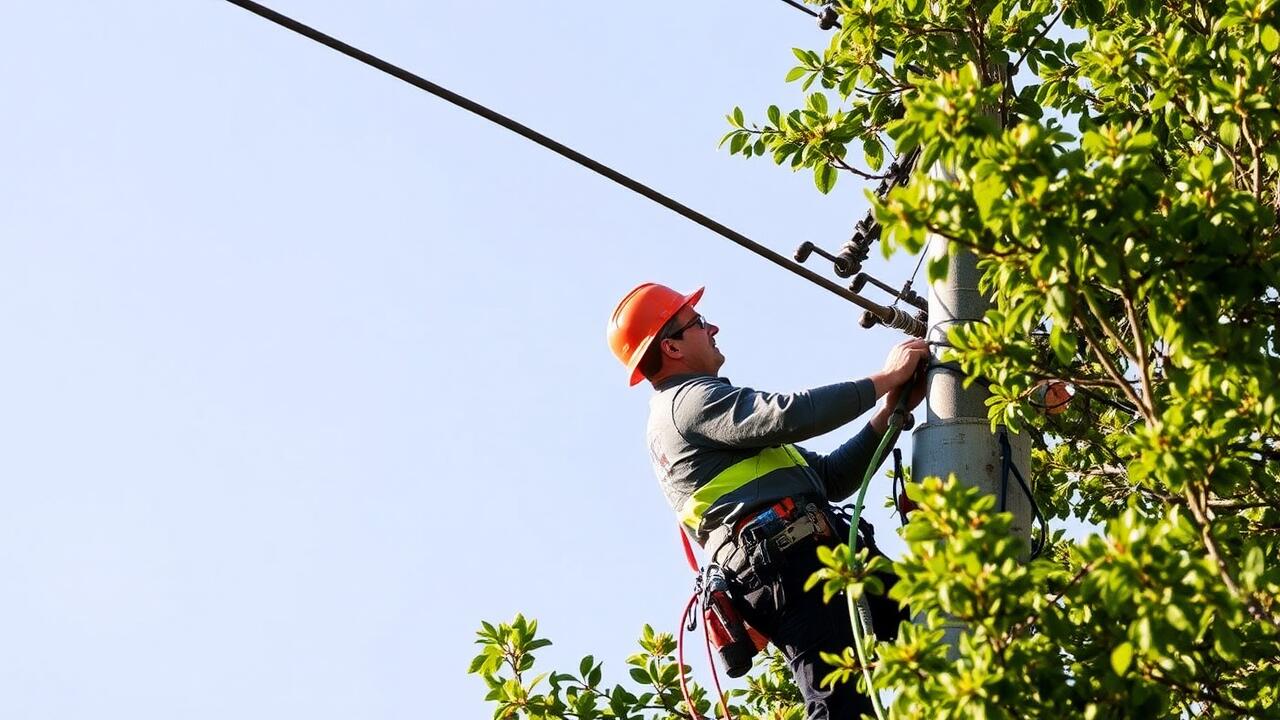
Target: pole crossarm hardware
{"points": [[890, 316], [847, 262]]}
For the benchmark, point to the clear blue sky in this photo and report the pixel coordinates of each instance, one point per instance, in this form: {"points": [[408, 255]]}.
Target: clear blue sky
{"points": [[305, 370]]}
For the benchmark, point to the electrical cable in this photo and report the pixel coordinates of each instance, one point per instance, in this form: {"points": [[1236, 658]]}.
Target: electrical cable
{"points": [[911, 280], [1116, 404], [530, 134], [692, 622], [890, 436], [1007, 466], [686, 618], [826, 18], [802, 8]]}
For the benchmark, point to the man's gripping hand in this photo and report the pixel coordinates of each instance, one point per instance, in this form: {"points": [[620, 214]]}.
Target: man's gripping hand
{"points": [[900, 365]]}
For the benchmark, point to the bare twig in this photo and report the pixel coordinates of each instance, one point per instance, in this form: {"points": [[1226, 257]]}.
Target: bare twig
{"points": [[1034, 41], [1075, 580], [840, 164], [1197, 504], [1202, 693], [1105, 322], [1257, 156], [1117, 378], [1140, 350]]}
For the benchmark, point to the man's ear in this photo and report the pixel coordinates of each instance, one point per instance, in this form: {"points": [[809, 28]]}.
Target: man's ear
{"points": [[670, 349]]}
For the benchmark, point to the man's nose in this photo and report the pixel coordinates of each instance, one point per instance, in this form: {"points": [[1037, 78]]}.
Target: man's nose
{"points": [[712, 329]]}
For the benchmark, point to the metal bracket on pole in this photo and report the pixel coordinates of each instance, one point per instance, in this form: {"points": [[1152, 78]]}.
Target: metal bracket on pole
{"points": [[847, 262]]}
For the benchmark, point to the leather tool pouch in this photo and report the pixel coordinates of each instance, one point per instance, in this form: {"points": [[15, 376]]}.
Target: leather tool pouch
{"points": [[735, 641]]}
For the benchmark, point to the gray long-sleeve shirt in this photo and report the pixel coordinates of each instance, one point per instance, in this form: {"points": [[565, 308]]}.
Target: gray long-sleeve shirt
{"points": [[702, 428]]}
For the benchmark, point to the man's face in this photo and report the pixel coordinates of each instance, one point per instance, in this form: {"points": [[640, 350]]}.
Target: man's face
{"points": [[696, 342]]}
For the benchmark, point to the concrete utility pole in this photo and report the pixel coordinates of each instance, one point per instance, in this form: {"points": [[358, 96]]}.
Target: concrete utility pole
{"points": [[956, 437]]}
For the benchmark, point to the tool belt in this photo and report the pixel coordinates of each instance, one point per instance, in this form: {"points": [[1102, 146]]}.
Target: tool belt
{"points": [[761, 542], [786, 523], [765, 537]]}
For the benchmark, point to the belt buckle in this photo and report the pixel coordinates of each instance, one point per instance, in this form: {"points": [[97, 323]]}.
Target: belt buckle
{"points": [[794, 533]]}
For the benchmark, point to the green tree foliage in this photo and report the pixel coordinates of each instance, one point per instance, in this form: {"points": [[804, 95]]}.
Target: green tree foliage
{"points": [[1115, 167]]}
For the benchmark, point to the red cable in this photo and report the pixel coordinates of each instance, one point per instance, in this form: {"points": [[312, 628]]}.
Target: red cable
{"points": [[715, 676], [684, 687]]}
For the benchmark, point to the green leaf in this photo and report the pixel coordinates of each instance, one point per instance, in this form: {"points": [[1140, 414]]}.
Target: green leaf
{"points": [[1254, 564], [1121, 657], [796, 73], [986, 192], [1225, 642], [477, 662], [936, 268], [874, 152], [824, 176], [1270, 38], [1229, 131], [1058, 304], [1063, 344]]}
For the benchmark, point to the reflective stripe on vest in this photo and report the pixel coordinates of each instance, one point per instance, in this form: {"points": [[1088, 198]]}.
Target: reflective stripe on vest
{"points": [[737, 475]]}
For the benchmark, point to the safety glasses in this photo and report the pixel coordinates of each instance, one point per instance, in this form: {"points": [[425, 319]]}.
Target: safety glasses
{"points": [[697, 321]]}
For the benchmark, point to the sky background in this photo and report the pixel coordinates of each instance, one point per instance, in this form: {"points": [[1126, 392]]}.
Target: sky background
{"points": [[305, 370]]}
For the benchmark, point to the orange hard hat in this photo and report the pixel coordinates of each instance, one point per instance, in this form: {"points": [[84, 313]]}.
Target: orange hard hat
{"points": [[638, 318]]}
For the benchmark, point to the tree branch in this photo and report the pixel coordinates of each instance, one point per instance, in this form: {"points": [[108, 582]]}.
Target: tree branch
{"points": [[1075, 580], [839, 164], [1117, 378], [1257, 156], [1034, 41], [1202, 693], [1139, 345], [1198, 507], [1105, 323]]}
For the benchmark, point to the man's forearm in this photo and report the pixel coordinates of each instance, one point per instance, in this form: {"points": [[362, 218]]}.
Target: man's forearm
{"points": [[882, 382]]}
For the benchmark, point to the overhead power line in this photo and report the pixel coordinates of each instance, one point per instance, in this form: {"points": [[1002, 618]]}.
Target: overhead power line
{"points": [[801, 7], [561, 149]]}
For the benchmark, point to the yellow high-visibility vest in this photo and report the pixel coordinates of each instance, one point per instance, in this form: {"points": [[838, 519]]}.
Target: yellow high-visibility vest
{"points": [[736, 476]]}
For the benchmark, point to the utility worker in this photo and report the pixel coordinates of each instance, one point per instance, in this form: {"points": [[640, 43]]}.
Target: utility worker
{"points": [[758, 504]]}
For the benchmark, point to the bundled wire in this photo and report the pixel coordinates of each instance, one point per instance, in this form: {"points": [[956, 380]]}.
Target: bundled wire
{"points": [[688, 621]]}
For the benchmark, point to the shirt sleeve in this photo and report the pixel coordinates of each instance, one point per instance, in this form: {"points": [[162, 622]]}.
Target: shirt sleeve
{"points": [[842, 470], [711, 412]]}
